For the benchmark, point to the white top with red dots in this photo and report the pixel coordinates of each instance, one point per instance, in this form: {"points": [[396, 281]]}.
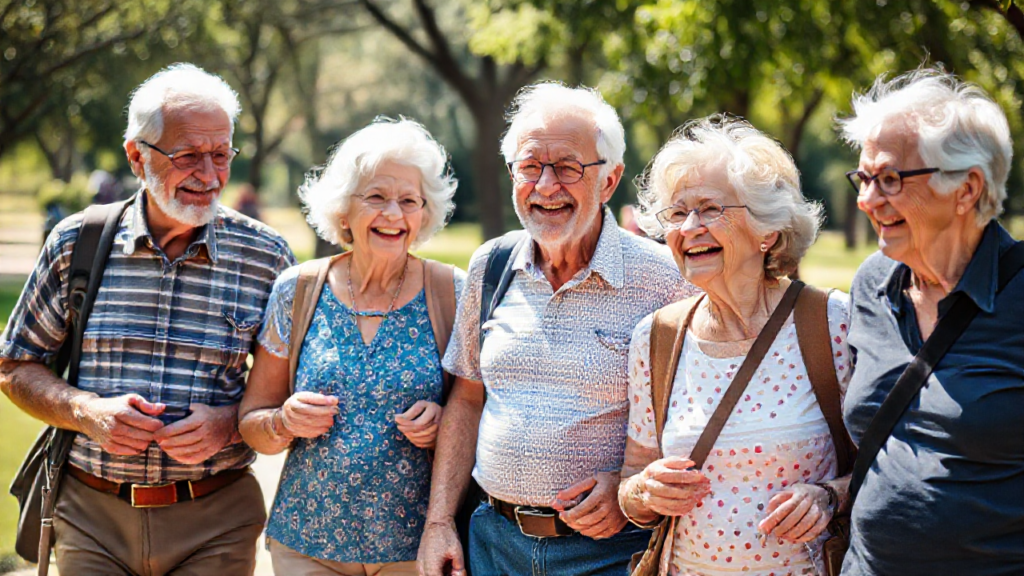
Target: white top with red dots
{"points": [[776, 437]]}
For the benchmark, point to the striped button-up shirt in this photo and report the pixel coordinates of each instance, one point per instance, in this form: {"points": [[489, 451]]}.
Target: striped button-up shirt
{"points": [[554, 363], [173, 332]]}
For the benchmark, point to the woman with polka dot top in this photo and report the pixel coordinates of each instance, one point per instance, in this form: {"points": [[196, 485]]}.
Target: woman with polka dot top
{"points": [[727, 200]]}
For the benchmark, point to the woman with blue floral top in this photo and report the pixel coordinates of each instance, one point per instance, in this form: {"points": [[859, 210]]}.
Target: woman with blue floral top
{"points": [[366, 403]]}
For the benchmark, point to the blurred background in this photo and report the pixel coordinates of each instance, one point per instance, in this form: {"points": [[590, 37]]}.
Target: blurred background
{"points": [[310, 72]]}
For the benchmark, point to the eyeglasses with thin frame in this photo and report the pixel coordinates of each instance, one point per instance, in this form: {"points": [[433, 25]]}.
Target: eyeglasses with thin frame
{"points": [[407, 204], [890, 180], [186, 159], [566, 171], [674, 217]]}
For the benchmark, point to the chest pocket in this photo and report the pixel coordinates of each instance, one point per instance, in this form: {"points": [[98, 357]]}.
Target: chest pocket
{"points": [[614, 341], [227, 347]]}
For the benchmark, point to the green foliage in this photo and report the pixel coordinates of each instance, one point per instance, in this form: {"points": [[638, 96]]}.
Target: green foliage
{"points": [[73, 196]]}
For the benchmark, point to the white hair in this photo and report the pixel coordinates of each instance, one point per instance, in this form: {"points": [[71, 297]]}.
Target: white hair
{"points": [[758, 167], [326, 196], [958, 127], [180, 83], [548, 99]]}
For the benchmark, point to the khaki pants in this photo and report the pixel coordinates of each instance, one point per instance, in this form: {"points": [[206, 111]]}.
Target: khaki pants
{"points": [[98, 533], [288, 562]]}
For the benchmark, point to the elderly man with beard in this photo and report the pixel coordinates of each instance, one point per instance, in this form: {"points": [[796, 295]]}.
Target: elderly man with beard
{"points": [[158, 479], [547, 443]]}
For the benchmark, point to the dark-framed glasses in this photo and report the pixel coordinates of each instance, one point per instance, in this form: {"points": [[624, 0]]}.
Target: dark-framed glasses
{"points": [[674, 217], [567, 171], [407, 204], [890, 180], [185, 159]]}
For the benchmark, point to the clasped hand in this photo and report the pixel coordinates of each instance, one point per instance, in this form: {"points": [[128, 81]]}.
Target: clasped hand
{"points": [[670, 486], [798, 514], [598, 514]]}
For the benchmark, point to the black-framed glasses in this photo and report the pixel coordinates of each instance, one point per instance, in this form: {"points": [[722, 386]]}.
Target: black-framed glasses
{"points": [[185, 159], [567, 171], [674, 217], [890, 180], [407, 204]]}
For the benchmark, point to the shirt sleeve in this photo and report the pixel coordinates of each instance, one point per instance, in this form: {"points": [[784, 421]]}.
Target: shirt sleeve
{"points": [[839, 328], [276, 332], [462, 358], [641, 428], [39, 323]]}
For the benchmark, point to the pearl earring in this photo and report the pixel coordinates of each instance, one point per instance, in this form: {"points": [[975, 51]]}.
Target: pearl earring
{"points": [[960, 210], [764, 246]]}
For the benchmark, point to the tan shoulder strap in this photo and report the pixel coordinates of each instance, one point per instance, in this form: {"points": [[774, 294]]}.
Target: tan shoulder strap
{"points": [[668, 329], [439, 286], [312, 275], [811, 317]]}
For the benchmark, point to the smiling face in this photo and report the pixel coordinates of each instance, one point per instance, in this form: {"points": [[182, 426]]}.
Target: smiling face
{"points": [[188, 196], [723, 249], [909, 221], [557, 214], [387, 232]]}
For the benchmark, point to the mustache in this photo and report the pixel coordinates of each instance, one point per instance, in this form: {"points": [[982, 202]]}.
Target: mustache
{"points": [[537, 198], [193, 183]]}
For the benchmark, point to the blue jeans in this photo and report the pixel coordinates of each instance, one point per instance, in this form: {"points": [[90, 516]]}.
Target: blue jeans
{"points": [[498, 548]]}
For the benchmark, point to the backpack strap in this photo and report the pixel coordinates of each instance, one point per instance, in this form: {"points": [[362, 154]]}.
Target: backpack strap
{"points": [[439, 288], [811, 318], [668, 330], [308, 287], [498, 274]]}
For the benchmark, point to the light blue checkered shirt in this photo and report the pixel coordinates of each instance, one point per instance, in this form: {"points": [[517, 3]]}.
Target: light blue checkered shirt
{"points": [[173, 332]]}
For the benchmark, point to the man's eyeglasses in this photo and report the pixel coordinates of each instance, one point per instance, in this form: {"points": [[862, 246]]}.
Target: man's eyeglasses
{"points": [[567, 171], [407, 204], [185, 159], [674, 217], [890, 180]]}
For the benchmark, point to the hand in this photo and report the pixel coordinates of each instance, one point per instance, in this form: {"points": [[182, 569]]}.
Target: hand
{"points": [[420, 423], [669, 487], [308, 414], [598, 515], [440, 548], [202, 434], [122, 425], [798, 514]]}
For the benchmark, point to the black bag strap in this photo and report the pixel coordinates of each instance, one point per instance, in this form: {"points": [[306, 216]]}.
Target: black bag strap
{"points": [[498, 274], [952, 324]]}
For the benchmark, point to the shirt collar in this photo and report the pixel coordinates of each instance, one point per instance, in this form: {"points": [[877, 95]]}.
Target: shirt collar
{"points": [[979, 281], [607, 260], [204, 245]]}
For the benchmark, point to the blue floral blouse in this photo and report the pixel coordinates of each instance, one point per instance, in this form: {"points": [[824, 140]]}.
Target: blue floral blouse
{"points": [[359, 493]]}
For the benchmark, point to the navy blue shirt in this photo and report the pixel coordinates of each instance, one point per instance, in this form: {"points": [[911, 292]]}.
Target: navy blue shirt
{"points": [[946, 492]]}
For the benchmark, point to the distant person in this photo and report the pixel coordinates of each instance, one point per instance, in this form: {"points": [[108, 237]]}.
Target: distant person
{"points": [[363, 415], [105, 187], [945, 493], [158, 480], [248, 201], [547, 444]]}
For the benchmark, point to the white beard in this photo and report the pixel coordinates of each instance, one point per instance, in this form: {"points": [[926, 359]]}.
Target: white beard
{"points": [[190, 214]]}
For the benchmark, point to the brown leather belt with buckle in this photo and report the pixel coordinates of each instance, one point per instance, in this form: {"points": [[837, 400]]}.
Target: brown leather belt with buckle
{"points": [[536, 521], [157, 495]]}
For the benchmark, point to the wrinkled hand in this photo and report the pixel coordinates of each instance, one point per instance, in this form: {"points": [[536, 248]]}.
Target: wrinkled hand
{"points": [[440, 551], [202, 434], [669, 487], [122, 425], [598, 515], [420, 423], [308, 414], [798, 514]]}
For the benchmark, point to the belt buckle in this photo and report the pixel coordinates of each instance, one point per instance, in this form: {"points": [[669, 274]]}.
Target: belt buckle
{"points": [[145, 486], [521, 511]]}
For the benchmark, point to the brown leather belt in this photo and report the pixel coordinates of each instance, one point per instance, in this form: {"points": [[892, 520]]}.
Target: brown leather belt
{"points": [[536, 521], [157, 495]]}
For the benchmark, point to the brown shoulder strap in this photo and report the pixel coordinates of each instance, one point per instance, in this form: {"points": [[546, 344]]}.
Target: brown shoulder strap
{"points": [[439, 286], [312, 275], [811, 316], [668, 329]]}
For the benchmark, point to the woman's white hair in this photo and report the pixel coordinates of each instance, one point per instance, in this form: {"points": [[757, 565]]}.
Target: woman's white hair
{"points": [[548, 100], [758, 167], [177, 84], [327, 192], [958, 127]]}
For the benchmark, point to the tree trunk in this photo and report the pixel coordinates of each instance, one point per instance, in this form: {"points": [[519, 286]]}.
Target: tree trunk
{"points": [[487, 164], [850, 225]]}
